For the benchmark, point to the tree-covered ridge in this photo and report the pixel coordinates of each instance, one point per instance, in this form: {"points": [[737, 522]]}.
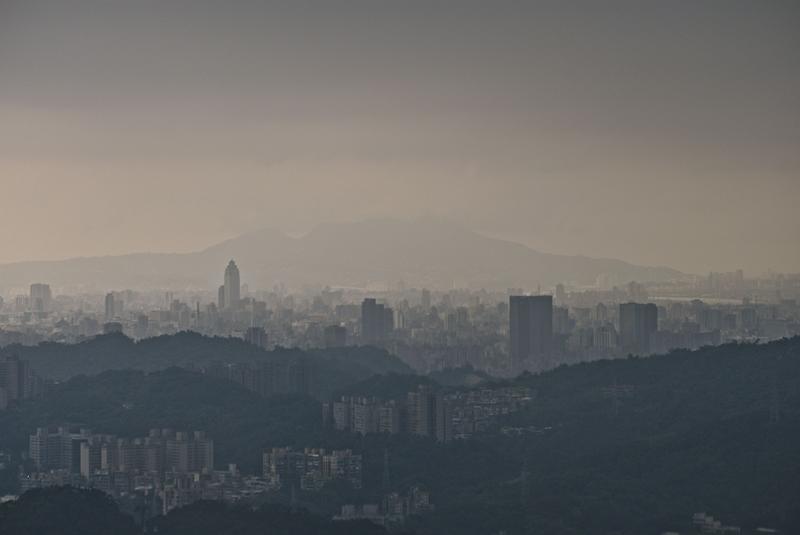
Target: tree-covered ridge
{"points": [[626, 446], [64, 511], [333, 368], [128, 403], [639, 445], [463, 376], [390, 386], [70, 511], [213, 518]]}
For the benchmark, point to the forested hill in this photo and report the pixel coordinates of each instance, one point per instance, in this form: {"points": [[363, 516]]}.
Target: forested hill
{"points": [[191, 350], [70, 511], [128, 403], [625, 447], [638, 445]]}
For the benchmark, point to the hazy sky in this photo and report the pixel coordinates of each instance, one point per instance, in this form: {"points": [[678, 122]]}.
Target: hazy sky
{"points": [[656, 132]]}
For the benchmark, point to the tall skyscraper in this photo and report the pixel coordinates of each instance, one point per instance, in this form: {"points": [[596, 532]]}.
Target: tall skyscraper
{"points": [[232, 285], [40, 297], [531, 331], [637, 322], [110, 309]]}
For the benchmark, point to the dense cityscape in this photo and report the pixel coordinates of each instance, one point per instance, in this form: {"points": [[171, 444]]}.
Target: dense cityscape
{"points": [[472, 331], [433, 330], [413, 267]]}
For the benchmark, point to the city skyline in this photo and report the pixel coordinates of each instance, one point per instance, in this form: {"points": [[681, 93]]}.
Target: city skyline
{"points": [[400, 267]]}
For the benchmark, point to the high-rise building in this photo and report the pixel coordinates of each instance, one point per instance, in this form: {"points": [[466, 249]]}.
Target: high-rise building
{"points": [[637, 322], [389, 418], [428, 414], [221, 297], [444, 419], [377, 321], [342, 414], [420, 407], [531, 331], [91, 452], [190, 452], [40, 297], [371, 320], [16, 379], [232, 286], [364, 415], [57, 450], [110, 308]]}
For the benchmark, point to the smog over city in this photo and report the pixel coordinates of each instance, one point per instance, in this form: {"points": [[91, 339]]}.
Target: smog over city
{"points": [[399, 267]]}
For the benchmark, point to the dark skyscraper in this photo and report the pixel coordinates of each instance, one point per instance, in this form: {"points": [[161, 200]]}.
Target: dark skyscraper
{"points": [[232, 285], [371, 320], [377, 321], [637, 322], [531, 331]]}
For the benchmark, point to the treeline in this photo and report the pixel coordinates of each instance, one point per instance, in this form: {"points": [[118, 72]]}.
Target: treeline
{"points": [[70, 511], [638, 445], [332, 369]]}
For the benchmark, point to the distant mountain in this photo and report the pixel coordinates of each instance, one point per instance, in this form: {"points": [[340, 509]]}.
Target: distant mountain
{"points": [[425, 252]]}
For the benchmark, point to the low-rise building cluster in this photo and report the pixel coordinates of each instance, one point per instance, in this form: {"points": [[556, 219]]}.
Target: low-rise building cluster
{"points": [[474, 411], [393, 510], [311, 468]]}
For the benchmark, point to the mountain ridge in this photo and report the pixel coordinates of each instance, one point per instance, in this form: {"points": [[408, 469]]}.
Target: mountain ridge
{"points": [[377, 252]]}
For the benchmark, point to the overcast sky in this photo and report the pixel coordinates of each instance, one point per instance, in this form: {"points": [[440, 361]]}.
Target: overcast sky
{"points": [[656, 132]]}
